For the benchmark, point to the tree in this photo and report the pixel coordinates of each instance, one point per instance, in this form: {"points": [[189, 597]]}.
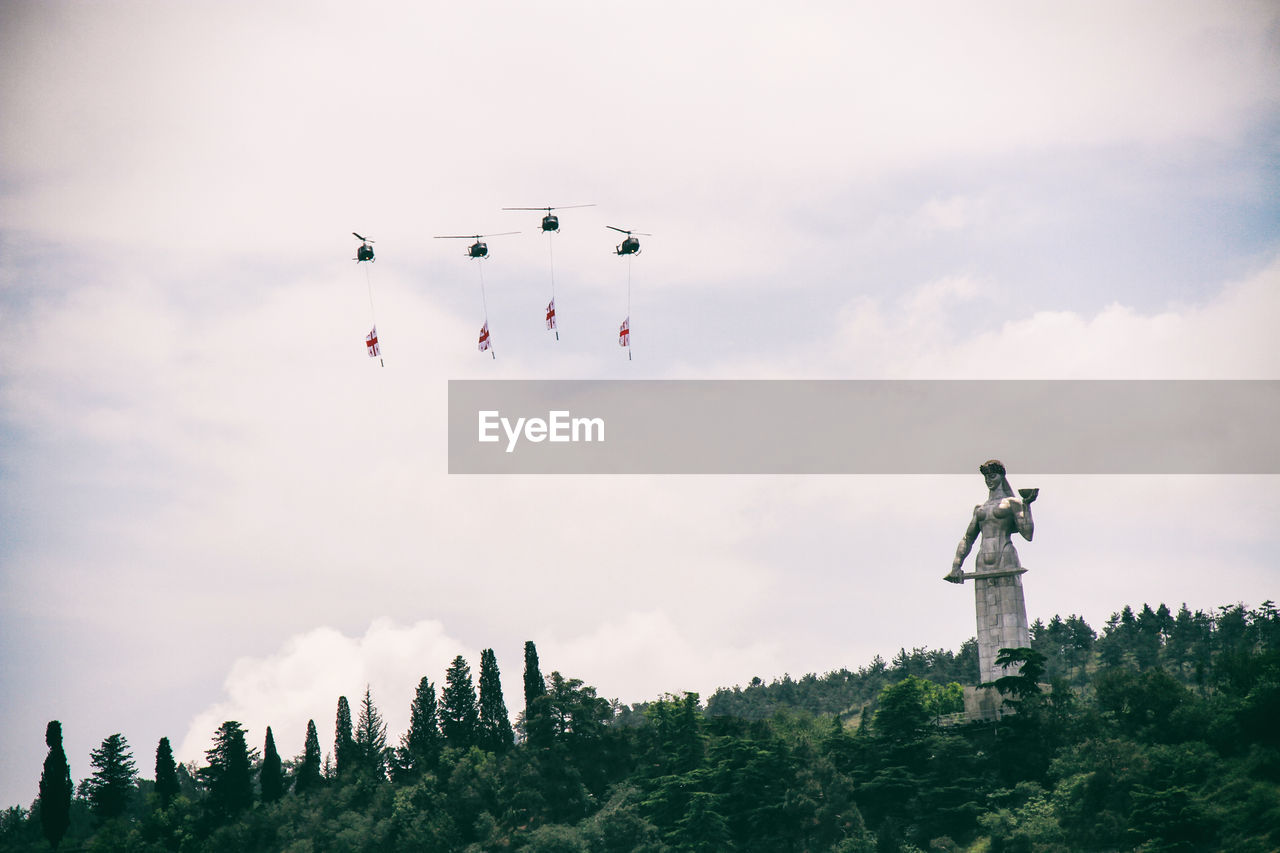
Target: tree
{"points": [[308, 775], [272, 773], [459, 717], [537, 723], [371, 740], [909, 708], [495, 726], [167, 786], [420, 747], [229, 774], [703, 827], [113, 777], [343, 744], [55, 787], [677, 724], [1026, 680]]}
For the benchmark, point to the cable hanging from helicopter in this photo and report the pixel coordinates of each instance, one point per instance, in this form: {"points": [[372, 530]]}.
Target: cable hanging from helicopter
{"points": [[365, 253], [551, 225], [480, 250], [629, 247]]}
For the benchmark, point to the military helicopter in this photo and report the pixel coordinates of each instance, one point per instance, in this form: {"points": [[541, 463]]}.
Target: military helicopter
{"points": [[478, 249], [629, 246], [550, 222], [365, 252]]}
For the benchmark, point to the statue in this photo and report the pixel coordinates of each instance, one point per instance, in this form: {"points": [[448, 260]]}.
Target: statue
{"points": [[996, 520], [997, 580]]}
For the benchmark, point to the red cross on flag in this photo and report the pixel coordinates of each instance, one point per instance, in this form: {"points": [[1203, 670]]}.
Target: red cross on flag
{"points": [[551, 315], [624, 333], [371, 343], [484, 336]]}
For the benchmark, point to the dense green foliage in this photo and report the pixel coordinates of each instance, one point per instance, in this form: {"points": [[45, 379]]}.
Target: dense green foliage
{"points": [[1136, 746], [459, 713], [422, 744], [308, 774], [228, 775], [167, 786], [55, 787], [371, 740], [534, 722], [114, 774], [271, 775], [844, 692], [495, 732], [344, 745]]}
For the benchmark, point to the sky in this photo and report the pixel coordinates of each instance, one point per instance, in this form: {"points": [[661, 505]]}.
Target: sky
{"points": [[214, 506]]}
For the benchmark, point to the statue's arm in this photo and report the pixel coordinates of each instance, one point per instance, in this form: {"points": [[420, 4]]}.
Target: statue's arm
{"points": [[1026, 524], [966, 544]]}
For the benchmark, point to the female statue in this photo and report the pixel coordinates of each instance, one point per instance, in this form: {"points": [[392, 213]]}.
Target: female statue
{"points": [[996, 520]]}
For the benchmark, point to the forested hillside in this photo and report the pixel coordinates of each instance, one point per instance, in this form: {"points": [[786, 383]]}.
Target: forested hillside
{"points": [[1158, 734]]}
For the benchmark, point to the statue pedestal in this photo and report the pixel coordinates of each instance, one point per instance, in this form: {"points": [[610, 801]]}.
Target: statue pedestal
{"points": [[1002, 618], [984, 704]]}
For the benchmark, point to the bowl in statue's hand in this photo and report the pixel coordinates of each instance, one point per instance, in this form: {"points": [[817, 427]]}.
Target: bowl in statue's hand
{"points": [[1028, 495]]}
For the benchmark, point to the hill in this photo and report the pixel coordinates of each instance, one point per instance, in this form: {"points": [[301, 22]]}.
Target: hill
{"points": [[1158, 734]]}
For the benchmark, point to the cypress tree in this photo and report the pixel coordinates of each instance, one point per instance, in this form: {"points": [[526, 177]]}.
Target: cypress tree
{"points": [[229, 774], [537, 720], [495, 726], [113, 777], [272, 774], [459, 717], [308, 778], [343, 745], [166, 774], [55, 787], [420, 747], [371, 739]]}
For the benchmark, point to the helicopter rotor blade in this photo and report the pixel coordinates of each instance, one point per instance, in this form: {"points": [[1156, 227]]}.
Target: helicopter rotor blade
{"points": [[548, 209], [502, 234], [458, 237], [619, 230], [358, 237]]}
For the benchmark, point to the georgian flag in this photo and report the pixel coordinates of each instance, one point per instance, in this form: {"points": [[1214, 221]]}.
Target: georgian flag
{"points": [[371, 343], [484, 337], [551, 315], [624, 333]]}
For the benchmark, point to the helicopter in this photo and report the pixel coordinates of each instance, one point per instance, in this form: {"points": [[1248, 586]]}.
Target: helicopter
{"points": [[629, 246], [550, 222], [478, 249], [365, 252]]}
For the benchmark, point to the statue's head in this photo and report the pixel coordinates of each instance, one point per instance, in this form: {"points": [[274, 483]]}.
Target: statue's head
{"points": [[992, 466], [993, 472]]}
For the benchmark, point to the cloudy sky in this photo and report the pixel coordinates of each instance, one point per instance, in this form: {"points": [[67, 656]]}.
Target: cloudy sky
{"points": [[213, 506]]}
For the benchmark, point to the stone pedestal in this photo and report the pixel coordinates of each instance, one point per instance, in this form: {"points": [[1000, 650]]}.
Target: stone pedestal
{"points": [[984, 704], [1002, 624], [1002, 619]]}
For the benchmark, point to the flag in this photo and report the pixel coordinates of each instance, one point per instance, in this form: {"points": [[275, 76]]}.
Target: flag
{"points": [[624, 333], [371, 343], [551, 315], [484, 336]]}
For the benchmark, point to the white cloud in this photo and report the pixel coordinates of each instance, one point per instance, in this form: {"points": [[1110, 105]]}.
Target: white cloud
{"points": [[205, 128], [304, 678], [641, 655], [922, 336]]}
